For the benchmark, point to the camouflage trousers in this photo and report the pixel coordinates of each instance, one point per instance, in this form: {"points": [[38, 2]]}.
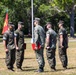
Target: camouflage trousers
{"points": [[40, 57], [51, 57], [19, 58], [10, 58], [63, 56]]}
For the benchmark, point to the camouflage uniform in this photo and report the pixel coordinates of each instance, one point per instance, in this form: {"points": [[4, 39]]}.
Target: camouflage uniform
{"points": [[63, 51], [10, 55], [51, 51], [39, 34], [19, 53]]}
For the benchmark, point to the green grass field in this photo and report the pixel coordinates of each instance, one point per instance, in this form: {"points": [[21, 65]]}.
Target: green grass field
{"points": [[30, 64]]}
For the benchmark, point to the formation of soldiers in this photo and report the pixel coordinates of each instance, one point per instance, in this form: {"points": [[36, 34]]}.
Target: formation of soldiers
{"points": [[14, 44], [50, 37]]}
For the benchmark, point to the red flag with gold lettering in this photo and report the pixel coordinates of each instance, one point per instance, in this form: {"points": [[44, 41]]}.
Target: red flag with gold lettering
{"points": [[5, 27]]}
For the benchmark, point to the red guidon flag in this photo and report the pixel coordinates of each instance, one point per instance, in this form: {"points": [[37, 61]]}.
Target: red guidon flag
{"points": [[5, 27]]}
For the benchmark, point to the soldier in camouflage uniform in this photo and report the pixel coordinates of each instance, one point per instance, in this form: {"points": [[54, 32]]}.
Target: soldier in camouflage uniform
{"points": [[63, 44], [51, 46], [8, 40], [19, 42], [39, 34]]}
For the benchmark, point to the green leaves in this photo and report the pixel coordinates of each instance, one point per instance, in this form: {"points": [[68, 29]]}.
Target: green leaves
{"points": [[47, 10], [44, 8]]}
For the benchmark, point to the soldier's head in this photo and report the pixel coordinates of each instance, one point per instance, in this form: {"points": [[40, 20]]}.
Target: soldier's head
{"points": [[60, 23], [48, 25], [11, 26], [20, 25], [36, 21]]}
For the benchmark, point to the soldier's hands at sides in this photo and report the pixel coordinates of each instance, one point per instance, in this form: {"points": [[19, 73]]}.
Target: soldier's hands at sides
{"points": [[17, 48], [40, 47], [47, 47], [61, 46], [36, 48], [6, 50]]}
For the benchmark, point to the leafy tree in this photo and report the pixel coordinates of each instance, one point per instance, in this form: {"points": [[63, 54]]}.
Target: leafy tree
{"points": [[17, 10], [68, 7], [47, 10]]}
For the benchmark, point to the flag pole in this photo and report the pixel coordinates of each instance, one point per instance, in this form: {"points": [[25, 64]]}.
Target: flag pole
{"points": [[5, 26], [32, 21]]}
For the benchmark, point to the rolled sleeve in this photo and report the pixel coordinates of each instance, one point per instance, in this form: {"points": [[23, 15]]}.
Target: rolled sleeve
{"points": [[60, 32], [47, 34], [5, 37], [15, 34]]}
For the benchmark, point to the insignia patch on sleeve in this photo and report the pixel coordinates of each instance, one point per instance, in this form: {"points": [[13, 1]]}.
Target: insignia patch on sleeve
{"points": [[4, 38]]}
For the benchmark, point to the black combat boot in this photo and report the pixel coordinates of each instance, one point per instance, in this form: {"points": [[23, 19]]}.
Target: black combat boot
{"points": [[53, 69], [41, 69]]}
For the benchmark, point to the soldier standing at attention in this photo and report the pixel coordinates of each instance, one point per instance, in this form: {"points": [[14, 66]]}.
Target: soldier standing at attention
{"points": [[51, 46], [8, 40], [63, 44], [19, 42], [39, 34]]}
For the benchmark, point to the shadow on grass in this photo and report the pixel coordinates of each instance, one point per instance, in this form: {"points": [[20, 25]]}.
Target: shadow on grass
{"points": [[72, 68], [28, 58], [29, 68], [57, 70], [66, 69]]}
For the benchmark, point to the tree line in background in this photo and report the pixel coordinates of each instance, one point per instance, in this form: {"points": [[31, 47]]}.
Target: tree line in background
{"points": [[46, 10]]}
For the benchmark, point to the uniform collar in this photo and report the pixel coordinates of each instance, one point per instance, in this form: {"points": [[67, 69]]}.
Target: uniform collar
{"points": [[19, 30], [50, 29], [10, 31], [36, 25]]}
